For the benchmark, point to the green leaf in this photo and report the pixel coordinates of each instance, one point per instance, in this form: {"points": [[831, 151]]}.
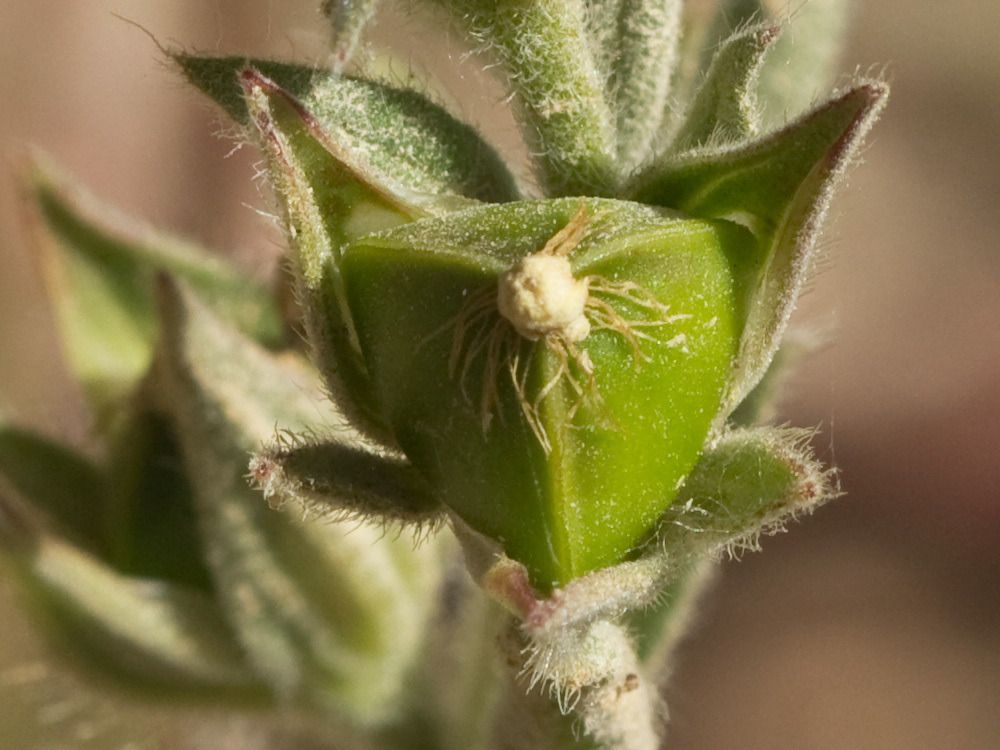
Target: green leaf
{"points": [[551, 64], [748, 483], [99, 269], [61, 483], [393, 136], [802, 65], [564, 473], [637, 43], [334, 478], [725, 108], [143, 633], [330, 615], [779, 187], [151, 521], [327, 201]]}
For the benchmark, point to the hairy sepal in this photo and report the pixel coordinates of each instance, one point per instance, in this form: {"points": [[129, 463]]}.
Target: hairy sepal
{"points": [[779, 187], [330, 615], [99, 268], [566, 480], [326, 200]]}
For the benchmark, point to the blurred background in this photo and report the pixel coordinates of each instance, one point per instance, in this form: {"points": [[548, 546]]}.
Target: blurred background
{"points": [[876, 624]]}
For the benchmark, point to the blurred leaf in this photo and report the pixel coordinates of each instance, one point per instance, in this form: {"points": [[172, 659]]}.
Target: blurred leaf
{"points": [[140, 633], [60, 482], [330, 615], [99, 270], [152, 524], [725, 107]]}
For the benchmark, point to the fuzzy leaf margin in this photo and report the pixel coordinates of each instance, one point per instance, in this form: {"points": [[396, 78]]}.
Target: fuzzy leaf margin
{"points": [[780, 187]]}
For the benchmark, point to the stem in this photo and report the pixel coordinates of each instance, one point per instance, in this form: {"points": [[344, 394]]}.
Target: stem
{"points": [[586, 690]]}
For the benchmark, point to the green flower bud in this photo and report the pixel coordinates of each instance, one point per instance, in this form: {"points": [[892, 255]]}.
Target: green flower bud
{"points": [[552, 368]]}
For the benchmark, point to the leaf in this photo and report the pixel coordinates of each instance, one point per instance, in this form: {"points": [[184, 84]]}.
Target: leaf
{"points": [[779, 187], [336, 479], [394, 136], [64, 485], [550, 63], [150, 634], [725, 108], [637, 45], [99, 270], [330, 615], [151, 520], [802, 64]]}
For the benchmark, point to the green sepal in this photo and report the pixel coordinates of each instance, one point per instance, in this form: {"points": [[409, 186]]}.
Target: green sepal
{"points": [[779, 187], [747, 483], [612, 468], [329, 618], [725, 108], [99, 268], [326, 202], [65, 486], [335, 479], [396, 137], [163, 638]]}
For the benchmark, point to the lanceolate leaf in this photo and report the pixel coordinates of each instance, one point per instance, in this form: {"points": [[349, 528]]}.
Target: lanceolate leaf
{"points": [[779, 187], [99, 270], [802, 64], [327, 200], [146, 633], [396, 136], [328, 617], [637, 49], [149, 504], [545, 47], [63, 484], [725, 109]]}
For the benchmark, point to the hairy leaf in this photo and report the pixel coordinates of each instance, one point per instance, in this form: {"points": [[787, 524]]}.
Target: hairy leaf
{"points": [[328, 618], [779, 187], [99, 270]]}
